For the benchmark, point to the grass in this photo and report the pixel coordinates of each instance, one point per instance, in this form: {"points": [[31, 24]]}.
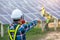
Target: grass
{"points": [[5, 37], [5, 33], [33, 34]]}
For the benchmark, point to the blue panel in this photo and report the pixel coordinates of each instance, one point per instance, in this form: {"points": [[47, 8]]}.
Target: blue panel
{"points": [[27, 19], [9, 18], [2, 12], [32, 16], [54, 14], [9, 5], [3, 20], [40, 17]]}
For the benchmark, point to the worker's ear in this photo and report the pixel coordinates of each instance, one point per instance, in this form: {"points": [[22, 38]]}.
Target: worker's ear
{"points": [[19, 21], [38, 21]]}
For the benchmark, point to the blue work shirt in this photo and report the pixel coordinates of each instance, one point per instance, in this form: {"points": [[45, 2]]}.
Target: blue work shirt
{"points": [[21, 33]]}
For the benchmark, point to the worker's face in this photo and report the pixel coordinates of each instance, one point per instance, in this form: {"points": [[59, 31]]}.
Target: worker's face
{"points": [[20, 21]]}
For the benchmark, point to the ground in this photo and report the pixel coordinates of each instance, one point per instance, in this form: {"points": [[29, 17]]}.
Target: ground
{"points": [[33, 34], [37, 34], [52, 36], [51, 24]]}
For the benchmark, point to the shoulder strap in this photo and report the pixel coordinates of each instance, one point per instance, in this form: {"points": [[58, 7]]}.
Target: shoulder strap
{"points": [[14, 31]]}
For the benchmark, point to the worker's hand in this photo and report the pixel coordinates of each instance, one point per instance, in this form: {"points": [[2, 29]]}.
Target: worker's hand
{"points": [[21, 21], [38, 21]]}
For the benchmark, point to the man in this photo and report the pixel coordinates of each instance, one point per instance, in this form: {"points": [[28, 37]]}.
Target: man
{"points": [[19, 28], [46, 25]]}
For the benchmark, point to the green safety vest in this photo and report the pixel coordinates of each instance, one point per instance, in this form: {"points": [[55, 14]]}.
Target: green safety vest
{"points": [[14, 31], [47, 21]]}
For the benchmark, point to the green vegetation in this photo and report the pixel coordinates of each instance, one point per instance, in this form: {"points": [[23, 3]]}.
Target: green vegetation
{"points": [[33, 34], [5, 33]]}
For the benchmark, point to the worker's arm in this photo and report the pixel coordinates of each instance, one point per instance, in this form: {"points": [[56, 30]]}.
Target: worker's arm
{"points": [[30, 25]]}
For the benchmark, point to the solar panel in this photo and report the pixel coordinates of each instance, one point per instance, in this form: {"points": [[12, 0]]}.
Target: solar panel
{"points": [[3, 20], [9, 18], [58, 13], [51, 7], [40, 17], [27, 18], [31, 15], [53, 13], [36, 15], [28, 7], [2, 12]]}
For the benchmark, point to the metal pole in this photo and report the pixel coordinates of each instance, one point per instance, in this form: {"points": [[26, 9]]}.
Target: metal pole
{"points": [[55, 24], [42, 25], [2, 31]]}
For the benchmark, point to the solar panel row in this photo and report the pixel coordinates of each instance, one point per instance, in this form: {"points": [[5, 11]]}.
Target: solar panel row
{"points": [[7, 10], [51, 7], [28, 7]]}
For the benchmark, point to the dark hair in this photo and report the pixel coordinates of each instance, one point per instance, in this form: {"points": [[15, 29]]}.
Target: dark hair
{"points": [[15, 20]]}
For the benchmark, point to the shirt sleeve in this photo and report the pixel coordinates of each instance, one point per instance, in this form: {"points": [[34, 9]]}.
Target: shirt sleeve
{"points": [[30, 25]]}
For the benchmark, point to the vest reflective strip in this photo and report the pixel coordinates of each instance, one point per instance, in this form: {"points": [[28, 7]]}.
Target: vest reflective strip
{"points": [[10, 35], [15, 31], [12, 30]]}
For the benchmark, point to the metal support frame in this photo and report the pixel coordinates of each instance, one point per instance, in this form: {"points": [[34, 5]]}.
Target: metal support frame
{"points": [[2, 31], [55, 24], [42, 25]]}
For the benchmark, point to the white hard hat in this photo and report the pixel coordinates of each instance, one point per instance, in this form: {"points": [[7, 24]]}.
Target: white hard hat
{"points": [[16, 14]]}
